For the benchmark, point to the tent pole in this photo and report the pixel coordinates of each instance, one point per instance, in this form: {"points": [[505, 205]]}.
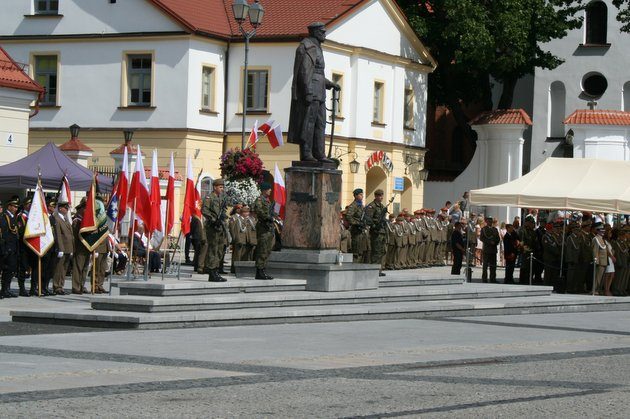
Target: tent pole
{"points": [[564, 229]]}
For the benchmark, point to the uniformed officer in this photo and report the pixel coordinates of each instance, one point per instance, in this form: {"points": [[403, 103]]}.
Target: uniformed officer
{"points": [[375, 217], [10, 246], [345, 238], [572, 259], [100, 254], [214, 211], [239, 236], [620, 250], [65, 246], [263, 208], [250, 229], [81, 258], [490, 239], [552, 248], [391, 242], [26, 257], [528, 248]]}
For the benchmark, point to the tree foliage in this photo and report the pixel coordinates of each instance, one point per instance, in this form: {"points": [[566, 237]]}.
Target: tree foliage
{"points": [[623, 15]]}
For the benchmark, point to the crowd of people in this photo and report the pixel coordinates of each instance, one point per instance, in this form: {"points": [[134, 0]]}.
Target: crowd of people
{"points": [[575, 252], [67, 256]]}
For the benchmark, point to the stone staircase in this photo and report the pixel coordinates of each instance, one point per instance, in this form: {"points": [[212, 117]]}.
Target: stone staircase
{"points": [[197, 303]]}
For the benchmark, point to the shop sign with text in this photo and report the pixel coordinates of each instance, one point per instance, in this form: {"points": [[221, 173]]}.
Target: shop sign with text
{"points": [[379, 157]]}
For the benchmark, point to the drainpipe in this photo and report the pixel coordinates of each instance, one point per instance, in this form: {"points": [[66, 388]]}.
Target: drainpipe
{"points": [[225, 95]]}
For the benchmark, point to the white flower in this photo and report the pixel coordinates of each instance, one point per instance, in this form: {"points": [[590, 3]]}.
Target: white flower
{"points": [[242, 191]]}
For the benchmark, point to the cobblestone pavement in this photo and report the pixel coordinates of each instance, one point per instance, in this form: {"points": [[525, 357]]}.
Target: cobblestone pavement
{"points": [[554, 365]]}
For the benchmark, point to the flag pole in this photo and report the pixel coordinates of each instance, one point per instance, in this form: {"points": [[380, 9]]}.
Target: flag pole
{"points": [[39, 276], [166, 237], [133, 233], [111, 270], [93, 270], [146, 266]]}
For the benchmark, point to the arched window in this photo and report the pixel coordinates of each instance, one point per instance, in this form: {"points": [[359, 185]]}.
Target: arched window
{"points": [[625, 105], [596, 23], [557, 109]]}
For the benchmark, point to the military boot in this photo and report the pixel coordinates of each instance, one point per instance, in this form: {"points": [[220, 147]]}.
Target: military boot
{"points": [[264, 272], [213, 276], [23, 292], [260, 274]]}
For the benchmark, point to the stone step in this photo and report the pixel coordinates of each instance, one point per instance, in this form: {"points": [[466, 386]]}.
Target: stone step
{"points": [[415, 281], [84, 315], [202, 287], [308, 298]]}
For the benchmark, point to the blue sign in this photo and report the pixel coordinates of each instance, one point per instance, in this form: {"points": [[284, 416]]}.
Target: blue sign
{"points": [[399, 184]]}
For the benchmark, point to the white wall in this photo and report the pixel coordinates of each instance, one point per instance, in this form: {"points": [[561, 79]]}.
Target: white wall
{"points": [[600, 142], [14, 112], [85, 16], [612, 62]]}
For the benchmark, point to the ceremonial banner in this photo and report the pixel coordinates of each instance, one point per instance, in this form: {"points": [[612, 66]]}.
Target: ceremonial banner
{"points": [[38, 234], [94, 224]]}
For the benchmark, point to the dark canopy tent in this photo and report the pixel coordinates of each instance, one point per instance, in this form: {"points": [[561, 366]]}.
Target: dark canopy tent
{"points": [[53, 164]]}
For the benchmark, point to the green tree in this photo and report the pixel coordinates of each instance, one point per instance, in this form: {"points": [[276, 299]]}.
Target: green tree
{"points": [[475, 41], [623, 15]]}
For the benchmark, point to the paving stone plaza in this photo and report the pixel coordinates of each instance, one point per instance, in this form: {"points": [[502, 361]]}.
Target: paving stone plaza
{"points": [[562, 364]]}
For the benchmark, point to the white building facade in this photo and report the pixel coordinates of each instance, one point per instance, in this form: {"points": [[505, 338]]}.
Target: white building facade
{"points": [[153, 66]]}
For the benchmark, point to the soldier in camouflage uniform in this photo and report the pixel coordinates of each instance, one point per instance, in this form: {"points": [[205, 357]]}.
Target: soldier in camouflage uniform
{"points": [[375, 217], [391, 242], [412, 261], [263, 208], [356, 219], [528, 247], [575, 284], [213, 209], [423, 237], [552, 246]]}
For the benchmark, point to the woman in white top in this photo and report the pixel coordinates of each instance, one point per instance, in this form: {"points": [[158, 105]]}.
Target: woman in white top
{"points": [[609, 273]]}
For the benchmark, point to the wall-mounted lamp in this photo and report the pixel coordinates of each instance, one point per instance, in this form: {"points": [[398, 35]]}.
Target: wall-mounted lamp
{"points": [[354, 164]]}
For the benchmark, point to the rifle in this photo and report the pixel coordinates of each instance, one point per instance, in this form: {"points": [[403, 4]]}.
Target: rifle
{"points": [[383, 219]]}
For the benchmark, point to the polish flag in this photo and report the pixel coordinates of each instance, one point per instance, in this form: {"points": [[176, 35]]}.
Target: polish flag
{"points": [[266, 127], [155, 225], [65, 195], [275, 136], [253, 136], [191, 199], [170, 198], [138, 197], [122, 189], [279, 193]]}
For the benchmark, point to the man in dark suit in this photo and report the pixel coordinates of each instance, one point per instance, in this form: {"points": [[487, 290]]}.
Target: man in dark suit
{"points": [[458, 247], [490, 239], [65, 246], [10, 246]]}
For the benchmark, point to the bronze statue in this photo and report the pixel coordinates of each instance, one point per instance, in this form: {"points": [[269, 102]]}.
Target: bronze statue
{"points": [[307, 120]]}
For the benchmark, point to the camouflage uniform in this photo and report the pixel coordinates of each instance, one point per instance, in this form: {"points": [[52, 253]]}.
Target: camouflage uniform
{"points": [[213, 209], [264, 230], [375, 216]]}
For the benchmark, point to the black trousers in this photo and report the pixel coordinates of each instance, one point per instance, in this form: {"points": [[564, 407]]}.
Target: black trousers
{"points": [[509, 271], [9, 269], [187, 244], [489, 262], [457, 262]]}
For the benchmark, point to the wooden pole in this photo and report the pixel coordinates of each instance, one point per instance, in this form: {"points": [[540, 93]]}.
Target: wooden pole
{"points": [[113, 250], [133, 233], [93, 270], [39, 276], [146, 266], [165, 238]]}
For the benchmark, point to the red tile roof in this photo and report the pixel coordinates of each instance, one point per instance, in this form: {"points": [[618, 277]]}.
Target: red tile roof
{"points": [[598, 117], [282, 18], [12, 75], [131, 150], [74, 144], [502, 116]]}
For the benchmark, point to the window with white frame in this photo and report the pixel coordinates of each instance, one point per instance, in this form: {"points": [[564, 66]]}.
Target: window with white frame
{"points": [[338, 78], [408, 111], [207, 88], [46, 7], [257, 90], [377, 114], [45, 72], [139, 79]]}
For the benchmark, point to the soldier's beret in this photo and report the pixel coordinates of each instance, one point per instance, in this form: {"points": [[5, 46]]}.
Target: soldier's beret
{"points": [[357, 191], [265, 186], [82, 204], [444, 209], [400, 218], [417, 212], [422, 211], [379, 192], [218, 182]]}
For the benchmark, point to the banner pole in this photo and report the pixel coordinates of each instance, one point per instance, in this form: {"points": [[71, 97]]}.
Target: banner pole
{"points": [[165, 237], [113, 250], [146, 266], [93, 270], [133, 233], [39, 276]]}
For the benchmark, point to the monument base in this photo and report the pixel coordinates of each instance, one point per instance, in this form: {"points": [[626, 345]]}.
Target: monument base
{"points": [[320, 269]]}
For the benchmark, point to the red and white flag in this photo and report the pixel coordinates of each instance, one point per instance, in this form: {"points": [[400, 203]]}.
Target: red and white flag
{"points": [[38, 234], [279, 193], [170, 198], [122, 189], [191, 199], [138, 197], [65, 194], [275, 136], [155, 227], [266, 127], [253, 136]]}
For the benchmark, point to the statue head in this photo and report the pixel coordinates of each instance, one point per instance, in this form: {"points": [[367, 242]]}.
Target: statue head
{"points": [[317, 30]]}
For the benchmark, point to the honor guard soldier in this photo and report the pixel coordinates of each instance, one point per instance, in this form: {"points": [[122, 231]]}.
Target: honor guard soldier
{"points": [[391, 242], [81, 257], [263, 208], [528, 247], [10, 246], [26, 257], [214, 210], [345, 240], [356, 218], [376, 217]]}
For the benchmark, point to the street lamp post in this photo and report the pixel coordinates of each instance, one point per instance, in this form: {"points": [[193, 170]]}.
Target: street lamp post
{"points": [[255, 12]]}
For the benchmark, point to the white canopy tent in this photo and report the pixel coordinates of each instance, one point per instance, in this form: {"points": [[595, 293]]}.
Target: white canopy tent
{"points": [[562, 183]]}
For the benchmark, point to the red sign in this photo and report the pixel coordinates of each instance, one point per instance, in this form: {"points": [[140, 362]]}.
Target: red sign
{"points": [[379, 157]]}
